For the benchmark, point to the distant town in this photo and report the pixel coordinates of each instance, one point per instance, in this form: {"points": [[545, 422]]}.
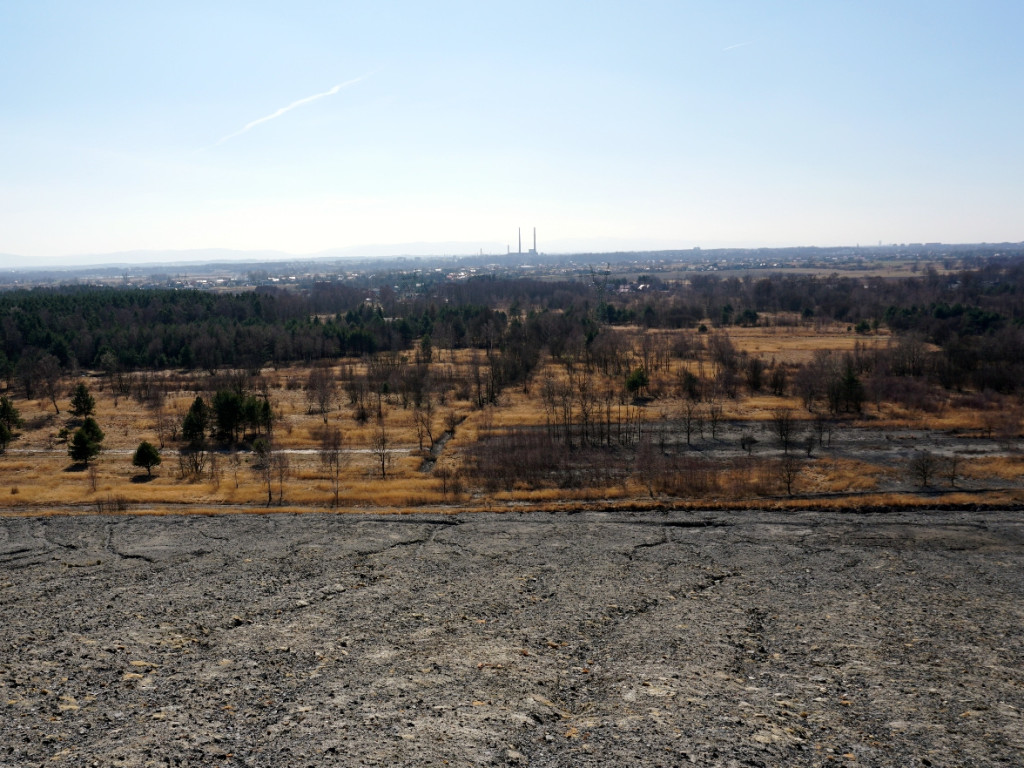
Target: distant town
{"points": [[246, 274]]}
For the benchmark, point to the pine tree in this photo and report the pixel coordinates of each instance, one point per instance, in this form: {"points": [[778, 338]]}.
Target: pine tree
{"points": [[82, 403], [87, 441], [9, 415], [147, 456], [196, 423]]}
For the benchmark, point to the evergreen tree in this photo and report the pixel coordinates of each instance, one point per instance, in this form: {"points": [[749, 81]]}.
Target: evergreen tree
{"points": [[9, 415], [196, 423], [147, 456], [82, 403], [87, 441], [228, 410]]}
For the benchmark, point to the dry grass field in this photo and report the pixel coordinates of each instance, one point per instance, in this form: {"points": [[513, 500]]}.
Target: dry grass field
{"points": [[37, 476]]}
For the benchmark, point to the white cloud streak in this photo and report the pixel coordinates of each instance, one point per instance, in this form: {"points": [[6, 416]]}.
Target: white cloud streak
{"points": [[289, 108], [733, 47]]}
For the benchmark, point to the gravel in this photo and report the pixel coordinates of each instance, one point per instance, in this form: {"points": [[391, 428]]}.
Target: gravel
{"points": [[533, 639]]}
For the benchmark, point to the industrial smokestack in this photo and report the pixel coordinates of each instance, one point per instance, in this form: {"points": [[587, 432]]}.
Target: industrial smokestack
{"points": [[520, 231], [534, 239]]}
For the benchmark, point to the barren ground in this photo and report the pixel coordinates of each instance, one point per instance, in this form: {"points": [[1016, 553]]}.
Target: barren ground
{"points": [[726, 639]]}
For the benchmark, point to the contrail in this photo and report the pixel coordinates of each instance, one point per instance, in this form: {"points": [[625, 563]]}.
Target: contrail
{"points": [[290, 107], [738, 45]]}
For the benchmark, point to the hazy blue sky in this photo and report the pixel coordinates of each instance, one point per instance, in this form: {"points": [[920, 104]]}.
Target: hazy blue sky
{"points": [[166, 125]]}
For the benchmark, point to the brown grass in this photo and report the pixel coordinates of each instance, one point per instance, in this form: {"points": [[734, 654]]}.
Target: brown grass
{"points": [[36, 474]]}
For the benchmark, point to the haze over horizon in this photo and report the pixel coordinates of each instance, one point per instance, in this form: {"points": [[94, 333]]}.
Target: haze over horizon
{"points": [[340, 126]]}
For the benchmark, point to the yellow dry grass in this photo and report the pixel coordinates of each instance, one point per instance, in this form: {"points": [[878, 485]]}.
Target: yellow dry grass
{"points": [[36, 474], [797, 344], [839, 476], [1000, 467]]}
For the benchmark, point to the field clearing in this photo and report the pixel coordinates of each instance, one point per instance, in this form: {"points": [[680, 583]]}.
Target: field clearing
{"points": [[867, 455], [797, 344]]}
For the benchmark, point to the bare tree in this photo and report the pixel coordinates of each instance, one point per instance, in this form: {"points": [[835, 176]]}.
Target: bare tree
{"points": [[333, 459], [647, 463], [281, 468], [164, 424], [48, 373], [715, 413], [823, 428], [693, 418], [951, 468], [789, 468], [451, 421], [236, 464], [263, 467], [192, 462], [449, 477], [424, 417], [215, 471], [382, 448], [922, 466], [321, 390], [784, 424]]}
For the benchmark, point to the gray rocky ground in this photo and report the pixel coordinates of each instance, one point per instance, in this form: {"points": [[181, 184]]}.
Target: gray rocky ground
{"points": [[535, 639]]}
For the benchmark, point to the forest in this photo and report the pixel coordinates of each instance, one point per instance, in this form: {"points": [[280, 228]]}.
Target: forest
{"points": [[973, 316]]}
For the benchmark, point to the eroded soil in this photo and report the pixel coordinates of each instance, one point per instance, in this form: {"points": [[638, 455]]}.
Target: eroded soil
{"points": [[535, 639]]}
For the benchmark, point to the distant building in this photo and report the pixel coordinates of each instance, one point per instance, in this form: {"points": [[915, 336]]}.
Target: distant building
{"points": [[532, 251]]}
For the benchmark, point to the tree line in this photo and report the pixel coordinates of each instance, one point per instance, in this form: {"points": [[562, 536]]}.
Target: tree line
{"points": [[973, 316]]}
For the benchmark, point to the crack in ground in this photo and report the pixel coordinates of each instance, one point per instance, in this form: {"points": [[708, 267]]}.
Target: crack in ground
{"points": [[665, 539], [109, 546]]}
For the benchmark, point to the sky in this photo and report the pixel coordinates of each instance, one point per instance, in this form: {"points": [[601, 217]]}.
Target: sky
{"points": [[303, 127]]}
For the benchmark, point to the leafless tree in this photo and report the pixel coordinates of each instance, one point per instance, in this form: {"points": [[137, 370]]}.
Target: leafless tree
{"points": [[451, 421], [692, 417], [215, 471], [922, 466], [784, 424], [647, 463], [48, 373], [236, 464], [587, 399], [321, 390], [381, 446], [424, 417], [715, 413], [281, 468], [789, 468], [333, 459], [823, 429], [451, 482], [549, 396], [951, 468], [192, 463], [263, 466]]}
